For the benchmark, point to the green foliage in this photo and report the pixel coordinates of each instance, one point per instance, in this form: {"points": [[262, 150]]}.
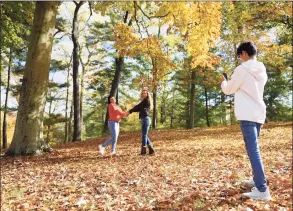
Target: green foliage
{"points": [[277, 92], [16, 21]]}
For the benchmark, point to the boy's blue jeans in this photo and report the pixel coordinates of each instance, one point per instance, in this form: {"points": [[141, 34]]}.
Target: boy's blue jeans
{"points": [[251, 131], [145, 126], [114, 130]]}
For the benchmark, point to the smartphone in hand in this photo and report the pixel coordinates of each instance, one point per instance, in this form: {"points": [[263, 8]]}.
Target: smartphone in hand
{"points": [[225, 76]]}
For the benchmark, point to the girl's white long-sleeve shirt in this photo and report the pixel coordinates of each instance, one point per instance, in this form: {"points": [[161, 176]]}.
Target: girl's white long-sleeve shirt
{"points": [[247, 83]]}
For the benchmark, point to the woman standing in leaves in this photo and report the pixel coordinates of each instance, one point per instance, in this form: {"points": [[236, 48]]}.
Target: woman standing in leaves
{"points": [[144, 108], [115, 115]]}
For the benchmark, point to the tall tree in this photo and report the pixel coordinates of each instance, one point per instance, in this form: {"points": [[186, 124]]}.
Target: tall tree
{"points": [[54, 97], [119, 67], [164, 97], [16, 20], [6, 102], [191, 101], [76, 92], [66, 131], [207, 106], [28, 133], [84, 66], [172, 109], [128, 43]]}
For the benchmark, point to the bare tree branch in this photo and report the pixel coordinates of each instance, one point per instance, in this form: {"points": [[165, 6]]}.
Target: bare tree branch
{"points": [[91, 12], [135, 18], [59, 29], [90, 5], [125, 17], [59, 38]]}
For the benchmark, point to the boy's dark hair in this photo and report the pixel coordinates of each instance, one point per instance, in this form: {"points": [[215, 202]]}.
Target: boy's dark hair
{"points": [[249, 47], [109, 99]]}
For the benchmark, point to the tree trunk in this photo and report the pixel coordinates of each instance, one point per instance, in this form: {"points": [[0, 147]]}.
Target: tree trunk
{"points": [[70, 122], [84, 70], [117, 96], [163, 111], [119, 66], [48, 134], [187, 112], [28, 134], [49, 123], [105, 128], [154, 120], [76, 92], [231, 110], [223, 109], [235, 55], [207, 106], [66, 104], [81, 96], [6, 101], [191, 102], [172, 110]]}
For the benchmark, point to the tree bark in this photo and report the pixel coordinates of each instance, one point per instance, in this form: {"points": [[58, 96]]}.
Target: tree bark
{"points": [[49, 123], [105, 128], [154, 119], [231, 110], [163, 111], [119, 66], [66, 104], [81, 95], [191, 102], [187, 112], [172, 111], [223, 108], [6, 102], [48, 134], [70, 122], [207, 107], [84, 70], [155, 86], [28, 134], [76, 91]]}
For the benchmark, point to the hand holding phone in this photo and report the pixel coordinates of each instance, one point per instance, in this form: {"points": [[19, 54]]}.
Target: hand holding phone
{"points": [[225, 76]]}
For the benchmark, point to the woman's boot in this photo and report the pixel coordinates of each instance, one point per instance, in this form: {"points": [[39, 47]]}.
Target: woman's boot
{"points": [[143, 151], [151, 149]]}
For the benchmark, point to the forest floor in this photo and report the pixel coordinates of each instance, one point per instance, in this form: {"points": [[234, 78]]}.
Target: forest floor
{"points": [[198, 169]]}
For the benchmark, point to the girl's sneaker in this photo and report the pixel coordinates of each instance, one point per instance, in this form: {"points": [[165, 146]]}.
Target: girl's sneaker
{"points": [[102, 149]]}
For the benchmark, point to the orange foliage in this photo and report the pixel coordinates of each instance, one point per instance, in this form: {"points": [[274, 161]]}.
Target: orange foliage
{"points": [[198, 169]]}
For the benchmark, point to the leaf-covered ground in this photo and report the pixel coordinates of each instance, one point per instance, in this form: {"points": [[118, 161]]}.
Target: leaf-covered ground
{"points": [[199, 169]]}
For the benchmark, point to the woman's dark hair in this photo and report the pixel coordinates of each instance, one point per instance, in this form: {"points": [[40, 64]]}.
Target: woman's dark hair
{"points": [[109, 99], [249, 47]]}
